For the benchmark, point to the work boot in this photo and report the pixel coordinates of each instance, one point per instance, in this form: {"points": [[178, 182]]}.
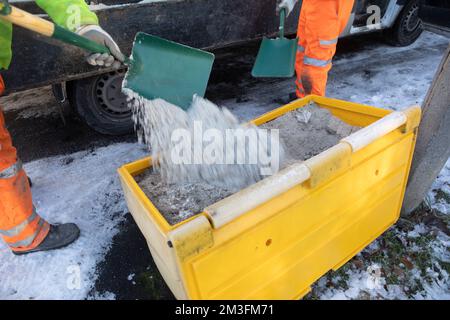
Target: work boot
{"points": [[60, 235], [286, 100]]}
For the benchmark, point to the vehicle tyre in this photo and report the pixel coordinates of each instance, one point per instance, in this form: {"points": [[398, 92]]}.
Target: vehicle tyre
{"points": [[100, 103], [408, 26]]}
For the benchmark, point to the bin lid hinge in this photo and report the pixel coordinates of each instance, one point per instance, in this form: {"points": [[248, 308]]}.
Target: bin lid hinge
{"points": [[191, 238]]}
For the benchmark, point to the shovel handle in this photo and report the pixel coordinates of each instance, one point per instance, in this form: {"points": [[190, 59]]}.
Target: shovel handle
{"points": [[49, 29], [282, 20]]}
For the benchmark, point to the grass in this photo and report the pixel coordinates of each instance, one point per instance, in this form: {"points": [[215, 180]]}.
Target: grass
{"points": [[442, 195], [406, 259], [153, 285]]}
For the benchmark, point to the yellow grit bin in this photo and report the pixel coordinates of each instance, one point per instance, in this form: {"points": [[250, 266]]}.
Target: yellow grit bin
{"points": [[274, 239]]}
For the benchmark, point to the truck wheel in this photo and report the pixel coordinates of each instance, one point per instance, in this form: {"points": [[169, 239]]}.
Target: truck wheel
{"points": [[100, 103], [408, 26]]}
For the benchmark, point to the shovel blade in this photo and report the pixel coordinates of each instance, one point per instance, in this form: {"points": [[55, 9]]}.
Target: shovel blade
{"points": [[168, 70], [276, 58]]}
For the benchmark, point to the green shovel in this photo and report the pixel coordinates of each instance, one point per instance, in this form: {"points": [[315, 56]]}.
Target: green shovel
{"points": [[164, 69], [158, 68], [276, 57]]}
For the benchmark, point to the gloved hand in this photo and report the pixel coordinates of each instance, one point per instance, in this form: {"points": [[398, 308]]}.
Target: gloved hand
{"points": [[286, 4], [97, 34]]}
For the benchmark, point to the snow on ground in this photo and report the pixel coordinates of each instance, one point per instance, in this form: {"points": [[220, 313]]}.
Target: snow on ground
{"points": [[95, 5], [378, 74], [83, 188], [399, 80], [401, 264], [440, 192]]}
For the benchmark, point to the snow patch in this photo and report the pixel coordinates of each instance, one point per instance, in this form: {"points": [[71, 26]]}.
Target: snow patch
{"points": [[98, 6], [369, 280], [440, 191], [85, 190], [417, 231]]}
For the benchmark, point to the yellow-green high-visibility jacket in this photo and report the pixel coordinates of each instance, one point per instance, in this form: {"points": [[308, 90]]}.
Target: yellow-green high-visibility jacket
{"points": [[62, 13]]}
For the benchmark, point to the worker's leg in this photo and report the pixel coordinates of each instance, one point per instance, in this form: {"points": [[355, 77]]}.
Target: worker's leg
{"points": [[300, 54], [20, 226], [324, 22], [344, 13]]}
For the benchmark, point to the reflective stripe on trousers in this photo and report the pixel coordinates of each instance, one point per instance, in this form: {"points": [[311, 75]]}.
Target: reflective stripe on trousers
{"points": [[315, 62], [328, 42], [11, 171], [28, 240], [15, 231]]}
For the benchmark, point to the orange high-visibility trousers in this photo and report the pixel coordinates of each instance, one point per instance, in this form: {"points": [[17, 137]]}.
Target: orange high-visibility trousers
{"points": [[20, 226], [320, 24]]}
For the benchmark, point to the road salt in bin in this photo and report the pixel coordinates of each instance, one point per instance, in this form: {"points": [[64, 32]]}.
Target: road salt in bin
{"points": [[274, 239]]}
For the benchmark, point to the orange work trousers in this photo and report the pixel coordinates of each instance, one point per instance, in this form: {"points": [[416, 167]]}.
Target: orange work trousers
{"points": [[20, 226], [320, 24]]}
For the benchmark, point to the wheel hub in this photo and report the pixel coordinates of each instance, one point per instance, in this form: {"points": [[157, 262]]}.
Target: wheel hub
{"points": [[109, 96], [412, 20]]}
